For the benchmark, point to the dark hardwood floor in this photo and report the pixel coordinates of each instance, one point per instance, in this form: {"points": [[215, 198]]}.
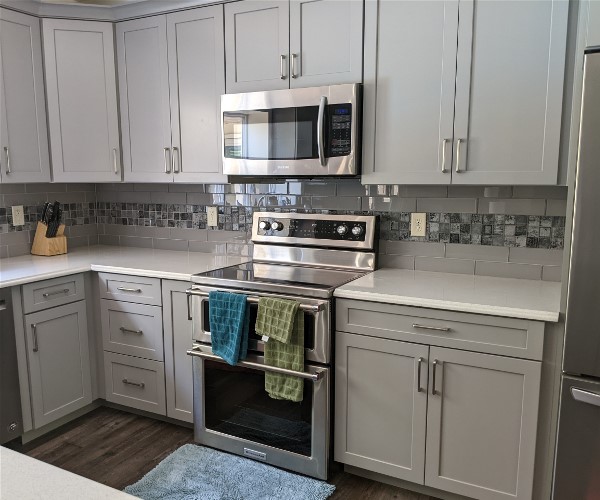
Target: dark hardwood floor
{"points": [[117, 448]]}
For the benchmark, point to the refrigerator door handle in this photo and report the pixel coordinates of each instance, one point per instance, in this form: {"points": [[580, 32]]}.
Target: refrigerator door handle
{"points": [[589, 397]]}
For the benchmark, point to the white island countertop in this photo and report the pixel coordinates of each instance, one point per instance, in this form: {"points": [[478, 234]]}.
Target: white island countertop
{"points": [[165, 264], [508, 297], [25, 478]]}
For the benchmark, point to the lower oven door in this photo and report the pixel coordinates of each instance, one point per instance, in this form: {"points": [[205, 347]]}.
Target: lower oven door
{"points": [[234, 413]]}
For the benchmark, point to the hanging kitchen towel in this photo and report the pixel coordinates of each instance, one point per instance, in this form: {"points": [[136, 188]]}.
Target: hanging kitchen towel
{"points": [[275, 318], [229, 322]]}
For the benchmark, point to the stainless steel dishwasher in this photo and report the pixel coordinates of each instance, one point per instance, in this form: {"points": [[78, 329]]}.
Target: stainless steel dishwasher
{"points": [[11, 425]]}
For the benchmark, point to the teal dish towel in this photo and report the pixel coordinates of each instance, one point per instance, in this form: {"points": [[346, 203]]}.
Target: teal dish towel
{"points": [[229, 324]]}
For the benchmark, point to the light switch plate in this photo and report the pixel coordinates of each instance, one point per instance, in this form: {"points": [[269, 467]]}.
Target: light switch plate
{"points": [[18, 215], [418, 224], [212, 216]]}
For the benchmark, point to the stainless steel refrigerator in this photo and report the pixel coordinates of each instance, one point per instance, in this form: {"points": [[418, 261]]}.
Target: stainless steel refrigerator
{"points": [[577, 471]]}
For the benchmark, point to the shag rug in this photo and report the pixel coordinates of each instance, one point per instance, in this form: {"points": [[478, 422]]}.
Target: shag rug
{"points": [[198, 473]]}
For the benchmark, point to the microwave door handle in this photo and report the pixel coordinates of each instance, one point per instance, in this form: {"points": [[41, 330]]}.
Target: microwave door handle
{"points": [[320, 126]]}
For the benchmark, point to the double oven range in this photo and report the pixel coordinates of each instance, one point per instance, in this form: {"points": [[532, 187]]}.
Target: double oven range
{"points": [[302, 257]]}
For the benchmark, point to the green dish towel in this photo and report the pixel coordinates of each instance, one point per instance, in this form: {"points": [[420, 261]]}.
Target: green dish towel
{"points": [[280, 319]]}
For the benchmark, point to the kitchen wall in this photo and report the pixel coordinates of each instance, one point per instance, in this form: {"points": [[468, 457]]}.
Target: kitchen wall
{"points": [[499, 231]]}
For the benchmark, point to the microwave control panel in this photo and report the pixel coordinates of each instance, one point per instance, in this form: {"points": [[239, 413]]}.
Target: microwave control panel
{"points": [[340, 127]]}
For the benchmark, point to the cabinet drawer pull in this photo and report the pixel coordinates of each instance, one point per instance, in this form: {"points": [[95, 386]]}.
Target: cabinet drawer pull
{"points": [[125, 289], [141, 385], [7, 153], [436, 328], [294, 74], [444, 144], [166, 152], [419, 362], [435, 363], [175, 160], [35, 338], [282, 67], [57, 292], [115, 161], [124, 330], [458, 143]]}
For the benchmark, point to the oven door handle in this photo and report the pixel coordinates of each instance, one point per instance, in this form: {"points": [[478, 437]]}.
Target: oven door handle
{"points": [[315, 377], [253, 299]]}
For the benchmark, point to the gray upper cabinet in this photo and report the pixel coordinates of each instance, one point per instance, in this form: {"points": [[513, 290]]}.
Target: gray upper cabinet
{"points": [[82, 100], [326, 42], [144, 97], [23, 134], [593, 27], [171, 77], [478, 102], [257, 45], [509, 87], [481, 424]]}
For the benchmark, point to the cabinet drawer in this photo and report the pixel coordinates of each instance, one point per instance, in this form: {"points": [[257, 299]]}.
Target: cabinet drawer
{"points": [[53, 292], [135, 382], [130, 288], [470, 332], [134, 329]]}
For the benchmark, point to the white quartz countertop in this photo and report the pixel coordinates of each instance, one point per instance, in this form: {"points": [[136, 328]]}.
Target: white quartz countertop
{"points": [[508, 297], [166, 264], [25, 478]]}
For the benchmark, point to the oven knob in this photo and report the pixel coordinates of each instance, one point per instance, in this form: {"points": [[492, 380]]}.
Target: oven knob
{"points": [[357, 230], [264, 225], [342, 229], [277, 226]]}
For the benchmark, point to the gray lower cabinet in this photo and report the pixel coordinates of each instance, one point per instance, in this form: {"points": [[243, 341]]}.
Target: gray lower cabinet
{"points": [[178, 340], [381, 408], [82, 100], [58, 361], [23, 135], [481, 424]]}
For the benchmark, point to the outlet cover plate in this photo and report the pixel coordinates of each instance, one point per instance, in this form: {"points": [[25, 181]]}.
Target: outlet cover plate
{"points": [[418, 224], [18, 215], [212, 216]]}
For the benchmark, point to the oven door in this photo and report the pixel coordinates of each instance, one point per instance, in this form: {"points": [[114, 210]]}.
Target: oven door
{"points": [[233, 412], [317, 322], [297, 132]]}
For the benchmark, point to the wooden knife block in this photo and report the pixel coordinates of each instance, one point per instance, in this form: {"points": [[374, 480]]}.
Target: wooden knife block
{"points": [[49, 246]]}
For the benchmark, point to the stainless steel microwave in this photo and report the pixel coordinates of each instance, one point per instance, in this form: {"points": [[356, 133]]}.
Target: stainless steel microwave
{"points": [[310, 132]]}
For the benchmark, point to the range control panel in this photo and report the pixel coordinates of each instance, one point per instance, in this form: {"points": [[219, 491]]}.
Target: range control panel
{"points": [[340, 126], [315, 229]]}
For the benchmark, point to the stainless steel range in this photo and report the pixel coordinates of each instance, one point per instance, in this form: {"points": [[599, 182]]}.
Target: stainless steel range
{"points": [[303, 257]]}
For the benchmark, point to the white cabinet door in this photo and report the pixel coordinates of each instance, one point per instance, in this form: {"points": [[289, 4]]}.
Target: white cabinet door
{"points": [[593, 27], [24, 137], [410, 59], [380, 408], [59, 362], [326, 42], [178, 340], [82, 100], [257, 45], [481, 424], [144, 97], [197, 80], [509, 84]]}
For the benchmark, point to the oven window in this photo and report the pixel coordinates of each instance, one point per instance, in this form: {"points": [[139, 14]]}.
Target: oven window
{"points": [[271, 134], [236, 404]]}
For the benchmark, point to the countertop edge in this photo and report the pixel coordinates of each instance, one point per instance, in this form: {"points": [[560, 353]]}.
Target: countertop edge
{"points": [[44, 276], [507, 312], [147, 273]]}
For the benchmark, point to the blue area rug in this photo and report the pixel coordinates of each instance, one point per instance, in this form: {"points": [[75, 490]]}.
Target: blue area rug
{"points": [[198, 473]]}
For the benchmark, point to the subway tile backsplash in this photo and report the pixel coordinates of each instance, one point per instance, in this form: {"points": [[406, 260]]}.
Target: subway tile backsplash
{"points": [[467, 226]]}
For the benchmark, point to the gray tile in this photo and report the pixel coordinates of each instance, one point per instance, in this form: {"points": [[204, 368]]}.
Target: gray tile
{"points": [[132, 241], [119, 229], [324, 188], [12, 188], [83, 230], [90, 196], [419, 191], [497, 192], [238, 200], [107, 196], [281, 188], [397, 261], [336, 203], [3, 252], [150, 186], [113, 186], [208, 247], [152, 232], [58, 187], [189, 234], [512, 206], [81, 186], [476, 252], [108, 239], [544, 192], [226, 236], [460, 205], [508, 270], [241, 249], [14, 238], [443, 265], [536, 256], [552, 273], [168, 244], [403, 204], [465, 191], [168, 198], [204, 199], [376, 203], [186, 188], [25, 199], [21, 249], [423, 249], [350, 188], [556, 207], [78, 241], [135, 196], [377, 190]]}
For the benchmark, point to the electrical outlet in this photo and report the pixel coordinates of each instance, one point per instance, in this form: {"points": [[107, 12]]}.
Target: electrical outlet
{"points": [[418, 224], [18, 215], [212, 216]]}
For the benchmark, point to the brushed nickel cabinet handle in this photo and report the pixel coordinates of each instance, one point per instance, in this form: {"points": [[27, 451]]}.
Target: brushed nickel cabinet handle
{"points": [[189, 305], [56, 292], [458, 143], [175, 163], [419, 363], [137, 384], [166, 153], [282, 67], [294, 74], [7, 153], [125, 330], [436, 328], [35, 337], [125, 289], [444, 144], [115, 161], [433, 391]]}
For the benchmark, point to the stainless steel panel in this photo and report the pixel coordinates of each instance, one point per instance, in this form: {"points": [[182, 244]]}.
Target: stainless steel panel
{"points": [[317, 257], [582, 344], [336, 166], [577, 473]]}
